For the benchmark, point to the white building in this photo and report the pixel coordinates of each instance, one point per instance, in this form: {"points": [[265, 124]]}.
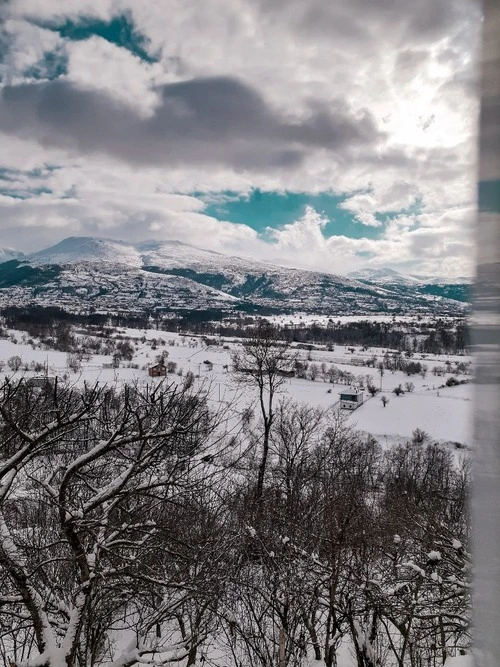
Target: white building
{"points": [[350, 399]]}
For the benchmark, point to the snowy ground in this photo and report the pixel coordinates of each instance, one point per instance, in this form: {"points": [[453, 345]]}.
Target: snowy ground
{"points": [[446, 416], [322, 320], [443, 413]]}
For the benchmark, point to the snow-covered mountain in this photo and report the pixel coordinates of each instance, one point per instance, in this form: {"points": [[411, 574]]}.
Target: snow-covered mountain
{"points": [[78, 249], [382, 276], [6, 254], [434, 280], [82, 273], [386, 276], [459, 289]]}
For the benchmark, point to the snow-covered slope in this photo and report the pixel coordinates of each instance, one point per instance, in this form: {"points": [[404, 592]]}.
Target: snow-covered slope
{"points": [[433, 280], [75, 249], [381, 276], [386, 276], [6, 254], [83, 272]]}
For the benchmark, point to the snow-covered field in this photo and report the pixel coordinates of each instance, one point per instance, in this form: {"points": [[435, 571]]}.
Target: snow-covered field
{"points": [[322, 320], [445, 414]]}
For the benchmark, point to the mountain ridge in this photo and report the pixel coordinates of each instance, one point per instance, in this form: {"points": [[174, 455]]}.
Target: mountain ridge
{"points": [[6, 254], [164, 276]]}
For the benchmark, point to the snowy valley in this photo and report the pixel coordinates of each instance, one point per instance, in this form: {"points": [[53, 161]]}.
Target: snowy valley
{"points": [[189, 489]]}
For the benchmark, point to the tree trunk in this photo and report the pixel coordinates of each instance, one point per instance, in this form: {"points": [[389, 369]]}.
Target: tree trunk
{"points": [[281, 649], [191, 660], [263, 461]]}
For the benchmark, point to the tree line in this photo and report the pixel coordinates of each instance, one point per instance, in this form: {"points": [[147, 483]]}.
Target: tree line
{"points": [[424, 336]]}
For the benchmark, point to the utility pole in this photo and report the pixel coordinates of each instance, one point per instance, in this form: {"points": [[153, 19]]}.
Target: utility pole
{"points": [[381, 371]]}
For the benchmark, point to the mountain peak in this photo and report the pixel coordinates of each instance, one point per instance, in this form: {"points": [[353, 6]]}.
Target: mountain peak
{"points": [[76, 249], [380, 275], [7, 254]]}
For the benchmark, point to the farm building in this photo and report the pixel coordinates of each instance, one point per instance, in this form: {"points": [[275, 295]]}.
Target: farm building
{"points": [[286, 374], [350, 399], [42, 381], [158, 370]]}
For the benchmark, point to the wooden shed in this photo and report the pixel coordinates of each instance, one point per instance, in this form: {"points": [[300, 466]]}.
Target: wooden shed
{"points": [[157, 371]]}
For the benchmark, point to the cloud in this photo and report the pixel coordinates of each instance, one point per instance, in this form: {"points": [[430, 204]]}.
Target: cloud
{"points": [[372, 100], [307, 231], [200, 121], [96, 65], [401, 21], [24, 48]]}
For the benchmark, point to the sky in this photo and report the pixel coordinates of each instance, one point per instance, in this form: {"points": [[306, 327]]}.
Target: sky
{"points": [[324, 134]]}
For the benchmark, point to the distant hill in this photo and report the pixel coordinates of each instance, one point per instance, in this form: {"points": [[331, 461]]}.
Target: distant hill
{"points": [[389, 276], [82, 273]]}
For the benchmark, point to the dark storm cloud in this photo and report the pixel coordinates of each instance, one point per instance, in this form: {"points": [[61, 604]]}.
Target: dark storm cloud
{"points": [[200, 121]]}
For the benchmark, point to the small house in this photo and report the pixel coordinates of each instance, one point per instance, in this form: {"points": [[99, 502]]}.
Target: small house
{"points": [[157, 371], [350, 399], [285, 373], [42, 381]]}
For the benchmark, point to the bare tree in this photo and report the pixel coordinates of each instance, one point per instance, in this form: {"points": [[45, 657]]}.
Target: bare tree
{"points": [[264, 362], [85, 479], [129, 535], [14, 363]]}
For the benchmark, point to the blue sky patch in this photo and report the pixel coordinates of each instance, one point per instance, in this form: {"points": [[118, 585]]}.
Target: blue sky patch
{"points": [[261, 209], [15, 183], [27, 193], [120, 31]]}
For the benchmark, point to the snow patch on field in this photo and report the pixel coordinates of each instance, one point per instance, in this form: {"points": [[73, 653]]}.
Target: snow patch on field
{"points": [[445, 417], [445, 414]]}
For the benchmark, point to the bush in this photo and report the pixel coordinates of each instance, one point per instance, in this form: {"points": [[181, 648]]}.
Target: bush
{"points": [[73, 362], [188, 380], [126, 350]]}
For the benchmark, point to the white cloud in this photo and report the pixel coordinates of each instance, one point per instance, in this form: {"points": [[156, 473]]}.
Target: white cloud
{"points": [[95, 63], [411, 69], [25, 47]]}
